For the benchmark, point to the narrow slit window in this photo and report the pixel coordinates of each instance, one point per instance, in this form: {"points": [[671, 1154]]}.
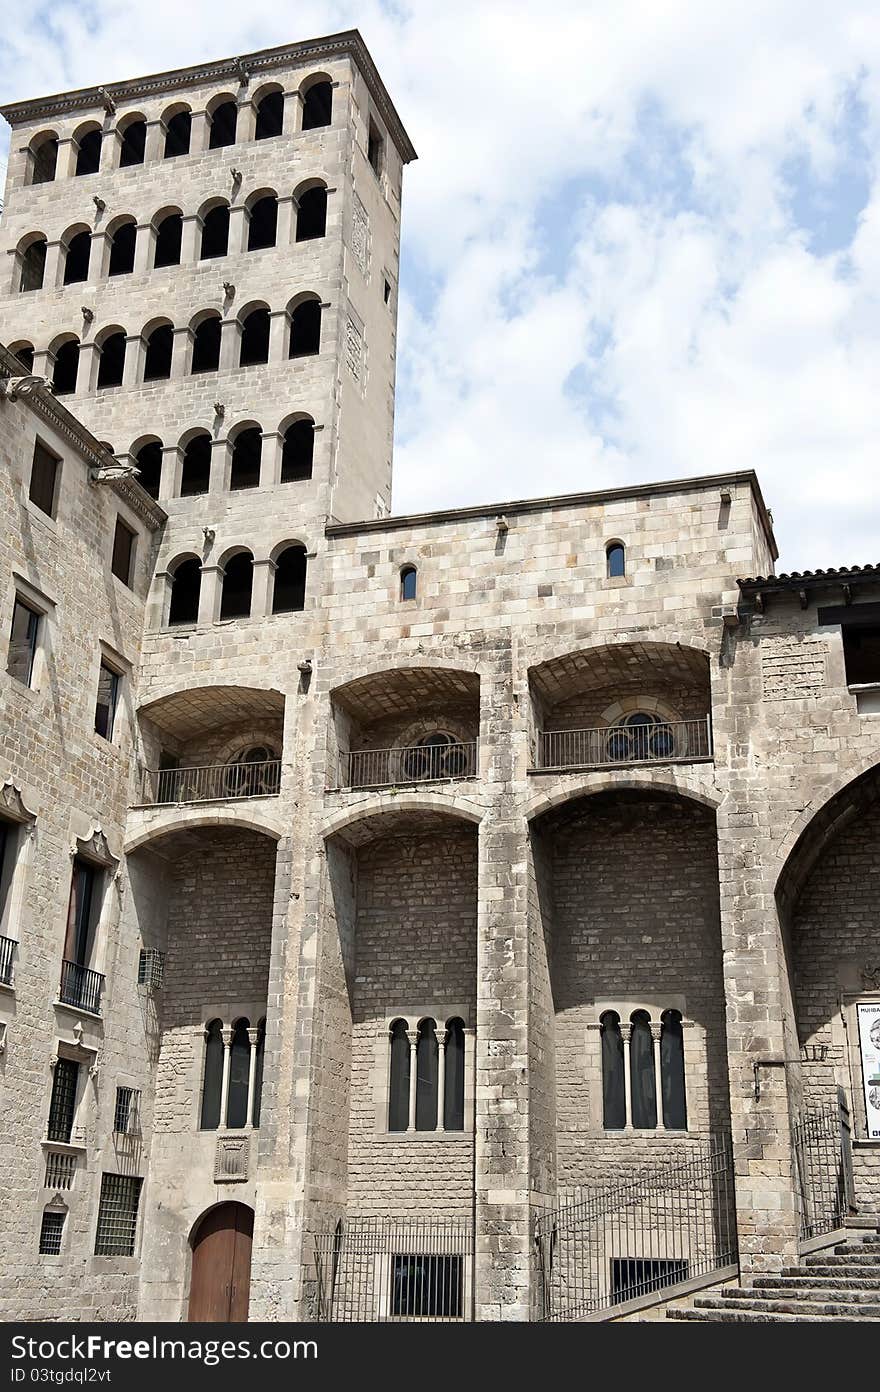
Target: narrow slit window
{"points": [[409, 577], [615, 558], [108, 698], [44, 479], [123, 552], [23, 642]]}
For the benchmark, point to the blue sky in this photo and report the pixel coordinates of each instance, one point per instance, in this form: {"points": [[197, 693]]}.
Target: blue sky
{"points": [[642, 239]]}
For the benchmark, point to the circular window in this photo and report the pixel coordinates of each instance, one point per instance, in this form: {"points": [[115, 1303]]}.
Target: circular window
{"points": [[438, 755], [641, 736], [254, 772]]}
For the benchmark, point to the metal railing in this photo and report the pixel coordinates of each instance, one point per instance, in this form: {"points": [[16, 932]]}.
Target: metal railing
{"points": [[7, 953], [823, 1156], [394, 1269], [418, 763], [211, 783], [80, 986], [613, 745], [60, 1170], [661, 1230]]}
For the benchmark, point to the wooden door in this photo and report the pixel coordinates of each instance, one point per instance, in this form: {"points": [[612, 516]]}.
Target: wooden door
{"points": [[221, 1266]]}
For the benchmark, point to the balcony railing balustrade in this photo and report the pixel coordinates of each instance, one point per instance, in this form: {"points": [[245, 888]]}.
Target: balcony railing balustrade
{"points": [[663, 742], [418, 763], [211, 783]]}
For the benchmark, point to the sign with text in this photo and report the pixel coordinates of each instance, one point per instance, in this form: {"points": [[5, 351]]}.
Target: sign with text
{"points": [[869, 1046]]}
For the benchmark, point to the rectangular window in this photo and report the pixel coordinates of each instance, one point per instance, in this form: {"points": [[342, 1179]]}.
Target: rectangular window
{"points": [[51, 1229], [426, 1287], [375, 145], [8, 857], [23, 641], [82, 912], [125, 1115], [861, 653], [105, 706], [632, 1277], [44, 479], [123, 552], [117, 1215], [62, 1105]]}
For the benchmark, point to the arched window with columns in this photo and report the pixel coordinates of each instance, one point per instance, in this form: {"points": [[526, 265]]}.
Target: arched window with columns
{"points": [[642, 1073], [232, 1080], [212, 1079], [613, 1077], [398, 1090], [672, 1086], [426, 1075]]}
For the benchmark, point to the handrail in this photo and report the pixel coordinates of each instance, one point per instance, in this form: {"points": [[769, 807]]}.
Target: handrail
{"points": [[602, 746], [211, 782]]}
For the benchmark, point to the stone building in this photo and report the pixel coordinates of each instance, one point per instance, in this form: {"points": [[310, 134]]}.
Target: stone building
{"points": [[393, 906]]}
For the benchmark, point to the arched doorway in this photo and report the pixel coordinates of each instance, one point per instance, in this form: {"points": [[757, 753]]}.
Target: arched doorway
{"points": [[221, 1266]]}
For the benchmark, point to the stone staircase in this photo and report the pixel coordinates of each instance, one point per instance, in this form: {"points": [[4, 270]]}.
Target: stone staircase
{"points": [[840, 1283]]}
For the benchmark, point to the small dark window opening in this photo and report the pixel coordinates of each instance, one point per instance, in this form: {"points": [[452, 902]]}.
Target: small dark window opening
{"points": [[76, 260], [33, 266], [861, 654], [213, 1077], [82, 918], [186, 587], [262, 223], [615, 560], [23, 642], [149, 461], [270, 116], [169, 237], [51, 1231], [215, 232], [239, 1072], [157, 360], [289, 592], [25, 354], [642, 1078], [318, 106], [254, 338], [45, 162], [195, 475], [238, 580], [409, 579], [223, 123], [632, 1277], [427, 1286], [398, 1090], [386, 291], [44, 479], [613, 1083], [298, 451], [123, 551], [106, 703], [453, 1081], [111, 364], [65, 368], [62, 1104], [206, 346], [672, 1072], [375, 148], [311, 214], [122, 250], [88, 155], [246, 453], [134, 143], [426, 1077], [177, 135], [305, 329]]}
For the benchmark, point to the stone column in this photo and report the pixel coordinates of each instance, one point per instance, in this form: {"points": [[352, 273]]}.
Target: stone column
{"points": [[66, 162], [221, 465], [97, 243], [292, 118], [53, 270], [144, 242], [226, 1034], [87, 368], [253, 1040], [199, 132], [413, 1037], [261, 592], [154, 147], [626, 1034], [238, 230], [111, 143], [278, 320], [209, 594], [181, 352], [132, 368], [658, 1082], [441, 1078], [230, 342], [270, 461], [286, 217], [190, 238], [172, 464]]}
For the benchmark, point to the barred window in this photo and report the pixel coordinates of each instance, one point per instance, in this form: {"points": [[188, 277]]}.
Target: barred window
{"points": [[51, 1229], [62, 1105], [427, 1286], [126, 1112], [117, 1215]]}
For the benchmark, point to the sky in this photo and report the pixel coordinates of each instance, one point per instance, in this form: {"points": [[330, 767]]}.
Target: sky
{"points": [[641, 240]]}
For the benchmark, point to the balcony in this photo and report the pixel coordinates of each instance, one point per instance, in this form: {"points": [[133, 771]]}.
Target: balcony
{"points": [[81, 987], [210, 783], [642, 740], [7, 952], [436, 759]]}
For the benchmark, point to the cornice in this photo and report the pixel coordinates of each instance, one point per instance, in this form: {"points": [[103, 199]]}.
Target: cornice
{"points": [[349, 42]]}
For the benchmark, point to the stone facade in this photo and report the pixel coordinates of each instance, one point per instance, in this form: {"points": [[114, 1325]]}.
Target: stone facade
{"points": [[275, 836]]}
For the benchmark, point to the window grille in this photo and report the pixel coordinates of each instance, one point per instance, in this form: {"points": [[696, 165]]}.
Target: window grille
{"points": [[63, 1102], [126, 1116], [632, 1277], [151, 968], [60, 1170], [426, 1286], [50, 1233], [117, 1215]]}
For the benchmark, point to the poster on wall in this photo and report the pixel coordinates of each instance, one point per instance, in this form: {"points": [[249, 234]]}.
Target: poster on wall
{"points": [[869, 1047]]}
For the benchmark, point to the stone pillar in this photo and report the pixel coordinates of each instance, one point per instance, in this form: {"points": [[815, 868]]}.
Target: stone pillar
{"points": [[66, 162], [111, 143], [261, 592], [441, 1078], [44, 363], [172, 465], [246, 122], [626, 1036], [190, 239], [253, 1040], [87, 368], [99, 256], [154, 148], [200, 130], [54, 268], [209, 595], [413, 1037], [270, 459], [144, 242], [292, 118], [278, 321], [226, 1035], [229, 344], [135, 353], [238, 230], [286, 217], [181, 352], [221, 464]]}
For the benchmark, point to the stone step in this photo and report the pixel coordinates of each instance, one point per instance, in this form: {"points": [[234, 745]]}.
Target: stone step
{"points": [[856, 1249], [733, 1315], [842, 1257], [816, 1294], [796, 1279], [838, 1309]]}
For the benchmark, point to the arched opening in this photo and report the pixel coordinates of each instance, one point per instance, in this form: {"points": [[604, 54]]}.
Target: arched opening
{"points": [[44, 159], [223, 122], [221, 1266], [615, 560], [254, 338], [32, 263], [317, 104], [76, 256], [111, 359], [238, 581], [25, 354], [169, 239], [65, 367], [613, 1081], [262, 222], [178, 133], [398, 1090], [122, 246], [212, 1078], [149, 461], [427, 1055], [238, 1094], [159, 349], [305, 329], [409, 582], [311, 214], [195, 475], [186, 584], [134, 142], [88, 151], [270, 116], [247, 450], [672, 1084], [289, 590], [215, 232], [453, 1089], [297, 453], [206, 344], [642, 1075]]}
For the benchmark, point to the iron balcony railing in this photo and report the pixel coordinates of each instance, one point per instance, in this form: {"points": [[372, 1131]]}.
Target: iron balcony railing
{"points": [[80, 986], [7, 953], [211, 783], [394, 1269], [418, 763], [823, 1157], [663, 1229], [613, 745]]}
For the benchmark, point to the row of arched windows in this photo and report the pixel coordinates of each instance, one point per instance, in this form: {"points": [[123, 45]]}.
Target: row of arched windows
{"points": [[286, 592], [165, 230], [175, 127], [232, 1082], [426, 1076], [630, 1065], [246, 462]]}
